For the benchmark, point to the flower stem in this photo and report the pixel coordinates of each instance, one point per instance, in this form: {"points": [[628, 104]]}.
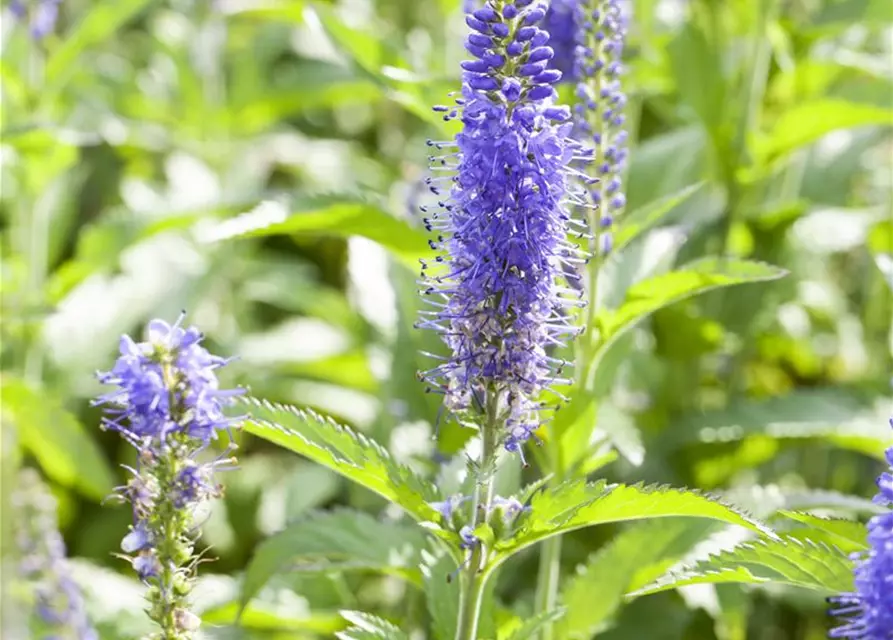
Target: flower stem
{"points": [[547, 582], [473, 575]]}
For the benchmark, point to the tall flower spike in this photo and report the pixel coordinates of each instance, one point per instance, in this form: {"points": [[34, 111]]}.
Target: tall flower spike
{"points": [[502, 224], [592, 33], [168, 405], [868, 612], [58, 603]]}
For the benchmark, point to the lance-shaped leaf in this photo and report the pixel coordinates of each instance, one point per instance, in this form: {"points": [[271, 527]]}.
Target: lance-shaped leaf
{"points": [[644, 218], [799, 563], [577, 504], [329, 215], [336, 540], [839, 416], [847, 535], [337, 447], [648, 296], [369, 627], [638, 555], [531, 627]]}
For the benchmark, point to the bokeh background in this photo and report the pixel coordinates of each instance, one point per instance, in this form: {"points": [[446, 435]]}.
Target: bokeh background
{"points": [[257, 163]]}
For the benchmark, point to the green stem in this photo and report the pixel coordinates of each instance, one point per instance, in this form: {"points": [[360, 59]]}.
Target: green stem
{"points": [[473, 575], [547, 582]]}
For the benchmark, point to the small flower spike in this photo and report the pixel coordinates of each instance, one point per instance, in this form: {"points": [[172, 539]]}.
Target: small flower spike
{"points": [[588, 37], [58, 602], [167, 403]]}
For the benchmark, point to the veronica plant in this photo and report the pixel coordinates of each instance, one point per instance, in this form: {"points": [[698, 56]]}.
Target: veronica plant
{"points": [[502, 229], [167, 404], [58, 604], [868, 611]]}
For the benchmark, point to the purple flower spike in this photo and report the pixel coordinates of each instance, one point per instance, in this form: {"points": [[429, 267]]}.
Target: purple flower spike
{"points": [[496, 294], [588, 46], [168, 404], [868, 612], [44, 568], [41, 15]]}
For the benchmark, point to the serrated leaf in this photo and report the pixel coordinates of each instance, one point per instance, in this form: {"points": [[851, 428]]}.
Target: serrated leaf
{"points": [[331, 215], [336, 540], [644, 218], [764, 501], [848, 535], [697, 277], [798, 563], [337, 447], [636, 556], [833, 415], [531, 627], [806, 123], [577, 504], [369, 627], [61, 445]]}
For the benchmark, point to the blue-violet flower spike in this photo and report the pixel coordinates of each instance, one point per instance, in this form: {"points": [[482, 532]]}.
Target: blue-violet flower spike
{"points": [[58, 602], [41, 16], [167, 403], [592, 34], [867, 613], [502, 227]]}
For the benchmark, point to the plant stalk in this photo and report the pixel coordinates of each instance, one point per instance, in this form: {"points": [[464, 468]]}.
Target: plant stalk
{"points": [[473, 575]]}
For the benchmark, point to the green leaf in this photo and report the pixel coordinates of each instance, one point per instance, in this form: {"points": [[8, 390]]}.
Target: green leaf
{"points": [[833, 415], [369, 627], [644, 218], [577, 504], [697, 67], [442, 596], [635, 557], [336, 541], [799, 563], [331, 215], [337, 447], [316, 85], [848, 535], [530, 628], [697, 277], [806, 123], [54, 436], [102, 21]]}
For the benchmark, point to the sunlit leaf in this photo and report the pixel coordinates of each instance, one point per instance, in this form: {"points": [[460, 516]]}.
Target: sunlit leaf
{"points": [[57, 440], [369, 627], [848, 535], [806, 123], [341, 540], [636, 556], [331, 216], [799, 563], [577, 504], [354, 456], [652, 294], [832, 415], [644, 218]]}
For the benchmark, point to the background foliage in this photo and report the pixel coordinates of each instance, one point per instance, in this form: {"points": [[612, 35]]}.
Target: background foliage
{"points": [[257, 163]]}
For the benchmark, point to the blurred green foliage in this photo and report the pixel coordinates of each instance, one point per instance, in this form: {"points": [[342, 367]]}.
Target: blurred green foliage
{"points": [[254, 162]]}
